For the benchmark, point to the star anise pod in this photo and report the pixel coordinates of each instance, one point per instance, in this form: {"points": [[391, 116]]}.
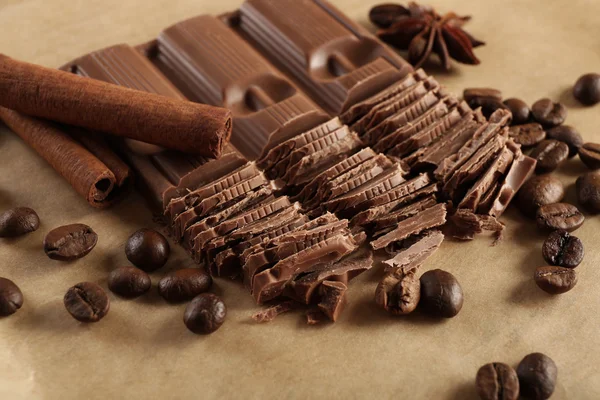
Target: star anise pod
{"points": [[422, 31]]}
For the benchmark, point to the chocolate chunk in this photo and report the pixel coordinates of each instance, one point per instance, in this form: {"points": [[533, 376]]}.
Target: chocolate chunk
{"points": [[399, 292], [393, 218], [333, 299], [272, 312], [521, 169], [464, 225], [416, 253]]}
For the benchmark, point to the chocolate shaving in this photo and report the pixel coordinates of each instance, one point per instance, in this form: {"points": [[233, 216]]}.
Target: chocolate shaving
{"points": [[464, 225], [269, 314]]}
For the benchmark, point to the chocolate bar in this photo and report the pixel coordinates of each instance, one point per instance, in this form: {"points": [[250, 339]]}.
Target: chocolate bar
{"points": [[211, 64], [335, 60], [163, 174]]}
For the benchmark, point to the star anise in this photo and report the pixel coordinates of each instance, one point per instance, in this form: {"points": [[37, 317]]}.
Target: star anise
{"points": [[421, 30]]}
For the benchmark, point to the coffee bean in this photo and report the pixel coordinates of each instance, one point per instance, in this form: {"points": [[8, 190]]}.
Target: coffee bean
{"points": [[129, 282], [11, 298], [441, 294], [548, 113], [497, 381], [559, 216], [18, 221], [538, 191], [473, 93], [555, 280], [147, 249], [589, 153], [549, 155], [205, 314], [87, 302], [568, 135], [537, 376], [519, 109], [398, 293], [70, 242], [488, 105], [385, 15], [588, 191], [562, 249], [527, 135], [587, 89], [184, 284]]}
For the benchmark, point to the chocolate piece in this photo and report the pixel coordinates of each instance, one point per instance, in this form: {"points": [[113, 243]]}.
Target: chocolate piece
{"points": [[211, 64], [333, 299], [392, 218], [272, 312], [430, 218], [399, 292], [162, 175], [338, 76], [465, 225], [417, 253], [315, 317], [62, 97], [522, 168]]}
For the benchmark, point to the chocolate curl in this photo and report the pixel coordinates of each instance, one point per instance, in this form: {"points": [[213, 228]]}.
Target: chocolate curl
{"points": [[88, 175], [98, 106]]}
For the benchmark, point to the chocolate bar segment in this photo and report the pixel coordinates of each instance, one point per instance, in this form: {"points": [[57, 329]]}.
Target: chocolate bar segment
{"points": [[211, 64], [336, 61], [416, 253], [333, 299]]}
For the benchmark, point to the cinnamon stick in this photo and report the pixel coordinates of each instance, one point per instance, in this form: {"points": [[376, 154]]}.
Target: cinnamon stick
{"points": [[99, 106], [100, 184]]}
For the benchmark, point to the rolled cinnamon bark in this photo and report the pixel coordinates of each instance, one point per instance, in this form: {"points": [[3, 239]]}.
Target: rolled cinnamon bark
{"points": [[99, 106], [98, 183]]}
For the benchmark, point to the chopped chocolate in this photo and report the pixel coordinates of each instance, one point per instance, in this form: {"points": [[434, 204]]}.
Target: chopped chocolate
{"points": [[333, 299], [522, 168], [394, 217], [416, 253], [464, 225], [269, 314], [315, 317]]}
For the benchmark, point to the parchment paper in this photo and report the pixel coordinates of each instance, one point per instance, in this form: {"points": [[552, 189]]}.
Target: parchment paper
{"points": [[143, 350]]}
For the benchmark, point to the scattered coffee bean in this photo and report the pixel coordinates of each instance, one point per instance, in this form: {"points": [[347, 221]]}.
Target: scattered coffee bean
{"points": [[398, 293], [11, 298], [589, 153], [537, 376], [538, 191], [568, 135], [548, 113], [129, 282], [147, 249], [384, 15], [184, 284], [87, 302], [488, 105], [489, 93], [519, 109], [441, 294], [549, 155], [555, 280], [497, 381], [559, 216], [527, 135], [588, 191], [205, 314], [18, 221], [70, 242], [587, 89], [563, 250]]}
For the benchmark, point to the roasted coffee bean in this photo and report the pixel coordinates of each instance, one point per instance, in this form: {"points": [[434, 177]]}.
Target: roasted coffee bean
{"points": [[11, 298], [205, 314], [588, 191], [441, 294], [563, 250], [549, 155], [489, 93], [147, 250], [497, 381], [385, 15], [538, 191], [589, 153], [548, 113], [555, 280], [129, 282], [559, 216], [18, 221], [587, 89], [519, 110], [87, 302], [537, 376], [527, 135], [488, 105], [398, 293], [568, 135], [70, 242], [184, 284]]}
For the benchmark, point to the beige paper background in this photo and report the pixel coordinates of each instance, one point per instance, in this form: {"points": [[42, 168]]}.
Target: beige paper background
{"points": [[143, 350]]}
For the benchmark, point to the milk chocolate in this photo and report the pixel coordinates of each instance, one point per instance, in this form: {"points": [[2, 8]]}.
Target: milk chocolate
{"points": [[521, 169], [465, 224], [269, 314], [391, 219], [416, 253], [333, 299]]}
